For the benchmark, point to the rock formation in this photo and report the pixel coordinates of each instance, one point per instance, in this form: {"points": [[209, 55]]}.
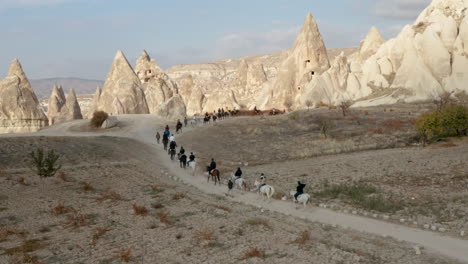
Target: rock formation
{"points": [[173, 109], [370, 44], [94, 103], [122, 92], [19, 108], [56, 102], [157, 86], [71, 110]]}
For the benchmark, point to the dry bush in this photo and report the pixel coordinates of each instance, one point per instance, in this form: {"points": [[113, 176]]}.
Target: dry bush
{"points": [[98, 118], [378, 130], [99, 232], [77, 220], [64, 177], [344, 106], [447, 145], [303, 238], [163, 218], [443, 99], [87, 186], [7, 232], [22, 181], [254, 253], [22, 251], [222, 207], [123, 254], [157, 205], [178, 196], [392, 124], [140, 210], [258, 221], [204, 235], [61, 209], [110, 195], [279, 195]]}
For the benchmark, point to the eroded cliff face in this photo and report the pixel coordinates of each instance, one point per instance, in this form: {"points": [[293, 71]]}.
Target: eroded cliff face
{"points": [[19, 108]]}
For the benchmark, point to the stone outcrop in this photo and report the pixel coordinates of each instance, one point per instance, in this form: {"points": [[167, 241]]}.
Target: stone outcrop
{"points": [[157, 85], [370, 44], [122, 92], [71, 110], [174, 108], [19, 108], [56, 102]]}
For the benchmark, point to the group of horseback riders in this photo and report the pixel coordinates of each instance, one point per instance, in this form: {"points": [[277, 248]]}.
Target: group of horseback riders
{"points": [[170, 138]]}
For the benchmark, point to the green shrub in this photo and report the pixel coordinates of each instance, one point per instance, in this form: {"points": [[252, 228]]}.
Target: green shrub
{"points": [[449, 121], [45, 165], [98, 118]]}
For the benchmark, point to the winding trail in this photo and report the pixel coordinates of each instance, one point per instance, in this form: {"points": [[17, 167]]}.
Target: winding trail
{"points": [[143, 127]]}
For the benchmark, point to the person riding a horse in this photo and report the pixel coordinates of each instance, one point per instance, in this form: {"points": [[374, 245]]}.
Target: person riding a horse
{"points": [[212, 165], [172, 138], [299, 190], [182, 150], [173, 145], [191, 158], [166, 131], [183, 160], [238, 173]]}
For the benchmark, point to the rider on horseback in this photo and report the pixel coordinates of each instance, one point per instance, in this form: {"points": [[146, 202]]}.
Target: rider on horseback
{"points": [[262, 181], [182, 151], [238, 173], [299, 190], [172, 138], [183, 160], [191, 158], [173, 145], [212, 165]]}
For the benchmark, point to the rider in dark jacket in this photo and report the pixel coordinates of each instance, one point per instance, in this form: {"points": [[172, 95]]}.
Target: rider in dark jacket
{"points": [[212, 165], [191, 158], [173, 145], [183, 161], [299, 190], [182, 150], [238, 173]]}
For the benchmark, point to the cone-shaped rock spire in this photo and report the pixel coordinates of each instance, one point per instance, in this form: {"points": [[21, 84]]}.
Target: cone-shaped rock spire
{"points": [[370, 44]]}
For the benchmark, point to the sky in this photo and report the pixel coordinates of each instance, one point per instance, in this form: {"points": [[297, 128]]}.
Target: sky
{"points": [[79, 38]]}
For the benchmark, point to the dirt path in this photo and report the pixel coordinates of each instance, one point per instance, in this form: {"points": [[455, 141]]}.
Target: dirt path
{"points": [[143, 128]]}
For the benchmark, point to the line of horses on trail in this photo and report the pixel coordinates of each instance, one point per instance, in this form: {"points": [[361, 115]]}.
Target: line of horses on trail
{"points": [[213, 117]]}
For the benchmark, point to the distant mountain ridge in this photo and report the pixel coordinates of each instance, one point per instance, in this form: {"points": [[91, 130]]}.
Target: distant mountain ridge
{"points": [[43, 87]]}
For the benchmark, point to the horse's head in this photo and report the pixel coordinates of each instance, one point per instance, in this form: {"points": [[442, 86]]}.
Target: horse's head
{"points": [[257, 183]]}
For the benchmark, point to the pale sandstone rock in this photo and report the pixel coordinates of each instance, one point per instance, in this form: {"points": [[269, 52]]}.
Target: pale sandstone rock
{"points": [[56, 102], [174, 108], [370, 44], [19, 109], [122, 92], [71, 110]]}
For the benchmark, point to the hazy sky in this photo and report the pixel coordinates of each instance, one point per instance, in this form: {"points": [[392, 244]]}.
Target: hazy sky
{"points": [[79, 38]]}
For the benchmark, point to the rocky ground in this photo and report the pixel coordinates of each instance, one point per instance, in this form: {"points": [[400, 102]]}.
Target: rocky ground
{"points": [[111, 204], [370, 163]]}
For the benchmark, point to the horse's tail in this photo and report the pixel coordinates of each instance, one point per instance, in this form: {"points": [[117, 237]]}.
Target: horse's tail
{"points": [[272, 191]]}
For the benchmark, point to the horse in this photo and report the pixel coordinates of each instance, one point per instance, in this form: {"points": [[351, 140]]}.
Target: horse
{"points": [[240, 183], [214, 175], [206, 119], [172, 152], [178, 127], [265, 190], [165, 142], [302, 198]]}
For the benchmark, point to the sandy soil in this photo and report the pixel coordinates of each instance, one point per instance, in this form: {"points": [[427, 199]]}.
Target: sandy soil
{"points": [[200, 227]]}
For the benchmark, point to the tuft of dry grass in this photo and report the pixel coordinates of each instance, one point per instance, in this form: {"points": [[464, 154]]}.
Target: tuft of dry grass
{"points": [[157, 205], [178, 196], [222, 207], [109, 195], [393, 124], [22, 181], [163, 218], [303, 238], [205, 237], [254, 253], [7, 232], [64, 177], [123, 254], [378, 130], [140, 210], [77, 220], [99, 232], [258, 222], [61, 209], [87, 187]]}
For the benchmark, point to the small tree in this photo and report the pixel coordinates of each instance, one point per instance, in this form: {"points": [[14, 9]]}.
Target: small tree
{"points": [[344, 106], [325, 127], [45, 165], [442, 100], [308, 103]]}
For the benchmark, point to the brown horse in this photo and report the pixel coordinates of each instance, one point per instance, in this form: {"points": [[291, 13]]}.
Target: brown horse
{"points": [[214, 175], [165, 142], [178, 127]]}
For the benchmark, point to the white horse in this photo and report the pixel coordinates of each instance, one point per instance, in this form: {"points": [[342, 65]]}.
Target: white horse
{"points": [[303, 198], [239, 183], [266, 189]]}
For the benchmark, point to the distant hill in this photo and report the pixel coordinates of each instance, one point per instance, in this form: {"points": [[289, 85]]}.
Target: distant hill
{"points": [[43, 87]]}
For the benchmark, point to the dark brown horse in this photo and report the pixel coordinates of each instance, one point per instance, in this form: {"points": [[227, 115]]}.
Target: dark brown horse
{"points": [[179, 127], [214, 175], [165, 142]]}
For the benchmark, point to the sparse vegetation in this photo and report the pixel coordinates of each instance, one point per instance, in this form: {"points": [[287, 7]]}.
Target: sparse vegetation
{"points": [[110, 195], [77, 220], [362, 195], [178, 196], [344, 106], [157, 205], [450, 121], [258, 221], [309, 104], [222, 207], [45, 165], [64, 177], [325, 127], [443, 100], [140, 210], [124, 255], [303, 238], [163, 218], [254, 253], [22, 181], [99, 232], [98, 118], [205, 237], [87, 187], [61, 209]]}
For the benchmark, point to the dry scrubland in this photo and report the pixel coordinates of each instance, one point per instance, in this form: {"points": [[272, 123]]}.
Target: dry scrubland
{"points": [[380, 167], [110, 204]]}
